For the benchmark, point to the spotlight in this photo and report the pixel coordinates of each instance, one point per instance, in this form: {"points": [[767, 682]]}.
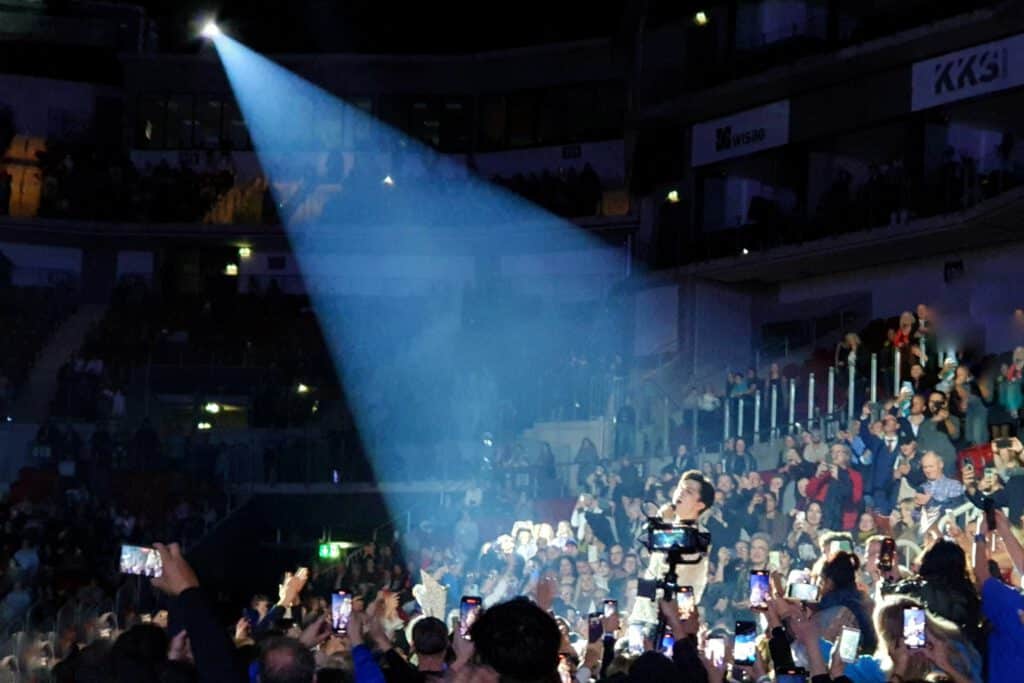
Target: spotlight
{"points": [[700, 18], [487, 439], [231, 270], [204, 426], [389, 181], [210, 30], [745, 251], [672, 197], [212, 408], [244, 253], [301, 389]]}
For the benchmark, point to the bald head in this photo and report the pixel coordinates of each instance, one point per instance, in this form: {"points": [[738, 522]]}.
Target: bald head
{"points": [[931, 465]]}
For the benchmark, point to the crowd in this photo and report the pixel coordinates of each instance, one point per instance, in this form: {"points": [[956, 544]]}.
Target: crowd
{"points": [[95, 183]]}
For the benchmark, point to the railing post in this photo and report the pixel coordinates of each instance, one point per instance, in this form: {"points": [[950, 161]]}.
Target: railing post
{"points": [[739, 417], [874, 378], [831, 400], [773, 422], [728, 416], [810, 400], [851, 390], [792, 403], [757, 416], [896, 373]]}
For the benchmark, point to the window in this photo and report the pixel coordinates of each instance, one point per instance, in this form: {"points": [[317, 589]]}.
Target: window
{"points": [[523, 108], [180, 122], [456, 133], [493, 119], [210, 113], [151, 122], [236, 134]]}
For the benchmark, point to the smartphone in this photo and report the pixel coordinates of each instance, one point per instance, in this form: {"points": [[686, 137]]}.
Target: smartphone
{"points": [[595, 627], [801, 517], [802, 592], [838, 545], [849, 643], [774, 559], [887, 554], [1003, 443], [914, 636], [611, 608], [796, 675], [743, 647], [141, 561], [667, 644], [715, 650], [636, 639], [469, 610], [592, 554], [759, 589], [341, 611]]}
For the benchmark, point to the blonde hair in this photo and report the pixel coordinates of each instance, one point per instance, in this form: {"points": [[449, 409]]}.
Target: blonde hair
{"points": [[889, 625]]}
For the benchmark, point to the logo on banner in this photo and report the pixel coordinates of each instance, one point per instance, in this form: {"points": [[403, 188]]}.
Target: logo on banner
{"points": [[969, 70], [725, 140]]}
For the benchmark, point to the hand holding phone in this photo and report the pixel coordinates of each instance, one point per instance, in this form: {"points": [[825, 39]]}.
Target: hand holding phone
{"points": [[469, 609], [760, 589], [849, 643], [684, 599], [887, 554], [141, 561], [914, 633], [341, 612], [595, 627], [744, 652]]}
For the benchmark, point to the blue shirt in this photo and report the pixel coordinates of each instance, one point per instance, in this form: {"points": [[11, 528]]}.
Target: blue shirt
{"points": [[1000, 604]]}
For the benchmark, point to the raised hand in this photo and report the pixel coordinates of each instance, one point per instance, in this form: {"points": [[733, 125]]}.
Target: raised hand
{"points": [[177, 576]]}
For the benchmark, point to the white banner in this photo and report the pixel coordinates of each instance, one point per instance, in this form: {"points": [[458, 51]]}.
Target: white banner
{"points": [[741, 133], [975, 71]]}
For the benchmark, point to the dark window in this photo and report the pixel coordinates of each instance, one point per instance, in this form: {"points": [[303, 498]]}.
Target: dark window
{"points": [[151, 122]]}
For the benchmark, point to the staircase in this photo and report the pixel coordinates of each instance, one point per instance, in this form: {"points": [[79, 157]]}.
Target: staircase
{"points": [[34, 404]]}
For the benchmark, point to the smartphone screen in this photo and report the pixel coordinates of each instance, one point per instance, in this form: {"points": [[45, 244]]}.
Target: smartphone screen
{"points": [[887, 554], [849, 643], [469, 610], [774, 559], [636, 638], [743, 647], [141, 561], [595, 626], [715, 651], [804, 592], [611, 608], [341, 611], [667, 644], [913, 628], [791, 676], [1003, 443], [841, 545], [759, 589], [684, 598]]}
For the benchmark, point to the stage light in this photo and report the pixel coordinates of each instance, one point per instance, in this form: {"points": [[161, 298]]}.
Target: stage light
{"points": [[244, 253], [204, 426], [745, 251], [487, 439], [672, 197], [700, 18], [301, 389], [389, 181], [231, 270], [212, 408], [210, 30]]}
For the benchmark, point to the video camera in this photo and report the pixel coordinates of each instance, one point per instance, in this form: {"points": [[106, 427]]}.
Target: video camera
{"points": [[676, 541]]}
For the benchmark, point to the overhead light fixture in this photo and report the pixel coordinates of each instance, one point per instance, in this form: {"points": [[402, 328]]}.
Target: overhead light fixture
{"points": [[212, 408], [231, 270], [210, 30], [388, 180], [672, 197], [700, 18], [244, 253]]}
